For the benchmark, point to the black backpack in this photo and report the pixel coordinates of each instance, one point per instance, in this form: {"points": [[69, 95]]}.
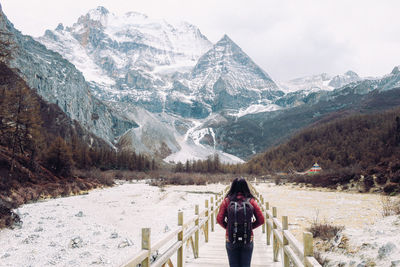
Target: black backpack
{"points": [[240, 214]]}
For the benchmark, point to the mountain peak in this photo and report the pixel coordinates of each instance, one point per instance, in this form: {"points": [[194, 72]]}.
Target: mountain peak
{"points": [[102, 10], [97, 14], [225, 40], [396, 70], [60, 27], [226, 37], [351, 73]]}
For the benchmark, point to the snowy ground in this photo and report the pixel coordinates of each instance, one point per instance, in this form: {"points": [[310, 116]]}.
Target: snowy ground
{"points": [[105, 225], [372, 239]]}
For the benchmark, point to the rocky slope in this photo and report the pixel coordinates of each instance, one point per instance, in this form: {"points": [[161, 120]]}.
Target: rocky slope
{"points": [[160, 66], [58, 81], [128, 58]]}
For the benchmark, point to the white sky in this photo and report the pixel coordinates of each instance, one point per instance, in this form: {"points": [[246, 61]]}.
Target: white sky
{"points": [[288, 39]]}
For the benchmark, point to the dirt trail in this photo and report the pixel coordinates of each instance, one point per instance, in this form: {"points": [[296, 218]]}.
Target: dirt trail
{"points": [[303, 206]]}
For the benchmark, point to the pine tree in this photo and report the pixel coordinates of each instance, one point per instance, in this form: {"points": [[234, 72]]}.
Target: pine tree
{"points": [[20, 121], [217, 162], [59, 158]]}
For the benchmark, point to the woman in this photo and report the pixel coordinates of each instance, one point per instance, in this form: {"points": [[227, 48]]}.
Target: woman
{"points": [[233, 216]]}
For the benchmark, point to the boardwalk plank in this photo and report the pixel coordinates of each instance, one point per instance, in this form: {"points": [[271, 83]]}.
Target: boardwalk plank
{"points": [[213, 253]]}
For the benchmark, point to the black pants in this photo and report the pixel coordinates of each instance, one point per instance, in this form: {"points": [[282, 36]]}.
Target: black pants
{"points": [[239, 254]]}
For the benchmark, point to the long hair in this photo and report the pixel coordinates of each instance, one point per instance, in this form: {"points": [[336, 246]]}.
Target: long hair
{"points": [[239, 185]]}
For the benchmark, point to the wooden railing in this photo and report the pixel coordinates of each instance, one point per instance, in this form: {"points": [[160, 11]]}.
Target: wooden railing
{"points": [[283, 241], [182, 235], [292, 252]]}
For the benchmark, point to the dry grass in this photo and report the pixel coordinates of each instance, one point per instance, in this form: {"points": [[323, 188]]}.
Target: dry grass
{"points": [[170, 178], [324, 230], [390, 206], [328, 178], [156, 178]]}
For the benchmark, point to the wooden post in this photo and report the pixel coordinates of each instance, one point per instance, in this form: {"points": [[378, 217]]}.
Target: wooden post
{"points": [[285, 226], [146, 246], [196, 234], [275, 244], [180, 238], [263, 226], [268, 227], [206, 224], [212, 214], [308, 246]]}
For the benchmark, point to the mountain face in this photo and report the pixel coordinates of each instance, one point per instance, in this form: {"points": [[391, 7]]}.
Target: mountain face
{"points": [[54, 120], [58, 81], [160, 66], [129, 58], [228, 79]]}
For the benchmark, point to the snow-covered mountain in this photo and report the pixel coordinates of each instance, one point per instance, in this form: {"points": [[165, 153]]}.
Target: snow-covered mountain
{"points": [[160, 66], [151, 66], [128, 58], [319, 82], [227, 78], [164, 89]]}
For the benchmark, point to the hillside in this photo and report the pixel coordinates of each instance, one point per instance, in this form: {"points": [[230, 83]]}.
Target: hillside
{"points": [[255, 133], [358, 141]]}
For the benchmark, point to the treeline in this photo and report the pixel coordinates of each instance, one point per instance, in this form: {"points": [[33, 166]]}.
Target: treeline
{"points": [[210, 165], [358, 141], [109, 159]]}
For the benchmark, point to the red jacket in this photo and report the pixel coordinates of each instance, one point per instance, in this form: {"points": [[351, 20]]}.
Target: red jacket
{"points": [[223, 213]]}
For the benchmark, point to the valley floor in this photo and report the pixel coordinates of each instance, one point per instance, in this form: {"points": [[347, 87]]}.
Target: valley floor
{"points": [[103, 227], [372, 238]]}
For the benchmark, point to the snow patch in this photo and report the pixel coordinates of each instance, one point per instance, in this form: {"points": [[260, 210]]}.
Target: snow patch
{"points": [[256, 108]]}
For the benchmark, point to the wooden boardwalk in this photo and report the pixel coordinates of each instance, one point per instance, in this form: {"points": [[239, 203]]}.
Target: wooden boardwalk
{"points": [[213, 253]]}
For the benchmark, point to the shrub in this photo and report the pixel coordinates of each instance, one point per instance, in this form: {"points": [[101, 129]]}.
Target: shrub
{"points": [[368, 182], [390, 206], [390, 188], [324, 231], [329, 179], [381, 179], [395, 177], [105, 178]]}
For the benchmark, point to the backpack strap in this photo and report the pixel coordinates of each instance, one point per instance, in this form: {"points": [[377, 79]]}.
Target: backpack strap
{"points": [[245, 222], [235, 224]]}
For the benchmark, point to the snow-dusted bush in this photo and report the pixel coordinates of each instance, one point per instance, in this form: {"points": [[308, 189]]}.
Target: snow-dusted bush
{"points": [[390, 206]]}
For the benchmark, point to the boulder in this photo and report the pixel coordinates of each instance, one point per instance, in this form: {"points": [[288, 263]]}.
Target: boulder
{"points": [[386, 250], [76, 242], [125, 243]]}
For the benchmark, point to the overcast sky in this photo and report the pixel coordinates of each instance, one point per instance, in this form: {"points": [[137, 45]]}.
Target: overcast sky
{"points": [[288, 39]]}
